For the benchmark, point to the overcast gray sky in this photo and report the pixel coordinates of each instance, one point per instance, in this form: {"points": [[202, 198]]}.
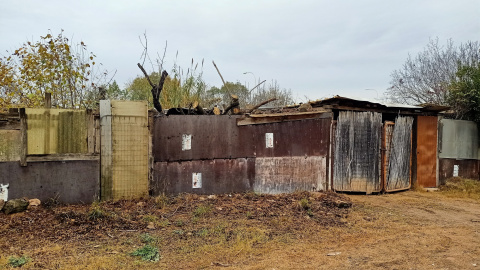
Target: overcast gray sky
{"points": [[315, 48]]}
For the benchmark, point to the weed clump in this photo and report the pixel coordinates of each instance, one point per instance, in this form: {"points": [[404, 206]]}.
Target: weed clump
{"points": [[96, 212], [147, 253], [202, 211], [18, 262], [147, 238]]}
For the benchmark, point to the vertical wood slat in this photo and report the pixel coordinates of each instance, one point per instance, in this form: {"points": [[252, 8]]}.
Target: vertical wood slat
{"points": [[24, 142], [106, 150]]}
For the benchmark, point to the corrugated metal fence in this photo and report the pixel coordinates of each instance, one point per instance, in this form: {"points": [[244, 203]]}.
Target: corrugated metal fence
{"points": [[212, 154]]}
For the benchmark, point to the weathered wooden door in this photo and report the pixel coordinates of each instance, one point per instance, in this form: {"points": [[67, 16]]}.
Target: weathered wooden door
{"points": [[427, 151], [397, 154], [357, 152]]}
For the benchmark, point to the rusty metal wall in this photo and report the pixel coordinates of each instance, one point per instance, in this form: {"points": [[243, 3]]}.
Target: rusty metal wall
{"points": [[68, 181], [309, 137], [295, 158], [217, 176], [467, 168], [212, 137], [427, 151]]}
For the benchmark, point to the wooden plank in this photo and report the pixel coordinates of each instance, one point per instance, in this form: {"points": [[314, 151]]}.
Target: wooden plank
{"points": [[89, 118], [24, 142], [61, 157], [276, 118]]}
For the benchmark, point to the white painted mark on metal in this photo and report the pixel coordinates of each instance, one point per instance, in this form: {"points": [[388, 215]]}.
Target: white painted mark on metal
{"points": [[455, 170], [196, 180], [186, 142], [269, 140], [4, 192]]}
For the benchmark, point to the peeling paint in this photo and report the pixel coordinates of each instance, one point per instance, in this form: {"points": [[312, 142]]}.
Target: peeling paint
{"points": [[4, 192], [196, 180]]}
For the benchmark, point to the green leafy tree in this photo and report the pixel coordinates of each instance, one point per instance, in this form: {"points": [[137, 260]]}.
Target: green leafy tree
{"points": [[221, 95], [115, 92], [248, 98], [176, 92], [51, 65], [464, 93]]}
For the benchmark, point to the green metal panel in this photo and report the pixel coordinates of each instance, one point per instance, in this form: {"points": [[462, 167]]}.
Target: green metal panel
{"points": [[459, 139]]}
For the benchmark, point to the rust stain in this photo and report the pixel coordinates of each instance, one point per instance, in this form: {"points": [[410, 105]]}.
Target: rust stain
{"points": [[427, 151]]}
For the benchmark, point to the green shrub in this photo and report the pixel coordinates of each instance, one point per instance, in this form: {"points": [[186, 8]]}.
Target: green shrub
{"points": [[18, 262], [147, 253]]}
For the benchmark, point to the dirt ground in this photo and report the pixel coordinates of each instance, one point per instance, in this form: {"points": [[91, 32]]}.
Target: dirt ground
{"points": [[405, 230]]}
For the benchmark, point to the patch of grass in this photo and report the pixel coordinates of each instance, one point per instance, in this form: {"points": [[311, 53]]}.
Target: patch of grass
{"points": [[179, 232], [179, 223], [461, 187], [304, 204], [96, 211], [150, 218], [147, 253], [18, 262], [202, 232], [164, 223], [162, 201], [146, 238], [202, 210]]}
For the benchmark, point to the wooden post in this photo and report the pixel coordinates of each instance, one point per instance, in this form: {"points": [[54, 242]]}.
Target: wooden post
{"points": [[48, 100], [24, 143]]}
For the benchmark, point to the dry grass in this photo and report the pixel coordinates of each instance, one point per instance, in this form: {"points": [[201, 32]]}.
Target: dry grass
{"points": [[461, 188], [404, 230]]}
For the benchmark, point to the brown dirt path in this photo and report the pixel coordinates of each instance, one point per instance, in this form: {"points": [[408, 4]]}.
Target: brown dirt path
{"points": [[405, 230]]}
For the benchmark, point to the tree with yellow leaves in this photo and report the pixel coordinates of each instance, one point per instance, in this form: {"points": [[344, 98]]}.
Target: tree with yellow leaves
{"points": [[51, 65]]}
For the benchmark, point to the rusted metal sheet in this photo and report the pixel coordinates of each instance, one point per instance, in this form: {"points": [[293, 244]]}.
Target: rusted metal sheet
{"points": [[289, 174], [427, 151], [67, 181], [295, 138], [10, 145], [467, 168], [357, 152], [216, 176], [212, 136]]}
